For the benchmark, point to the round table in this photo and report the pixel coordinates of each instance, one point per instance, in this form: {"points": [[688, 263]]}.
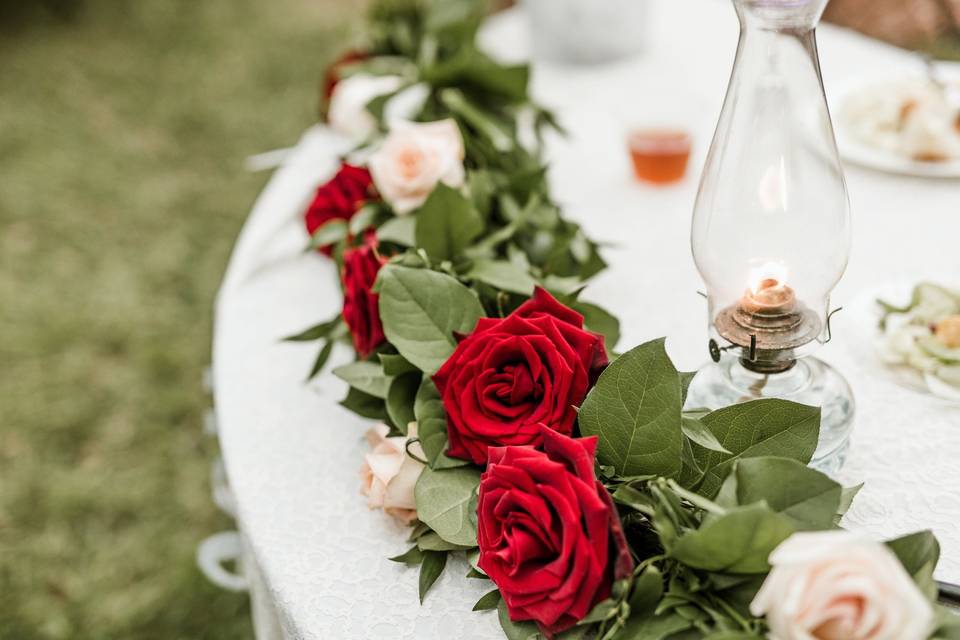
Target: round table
{"points": [[316, 557]]}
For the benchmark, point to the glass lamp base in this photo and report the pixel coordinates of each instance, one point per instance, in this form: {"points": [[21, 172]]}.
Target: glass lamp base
{"points": [[811, 382]]}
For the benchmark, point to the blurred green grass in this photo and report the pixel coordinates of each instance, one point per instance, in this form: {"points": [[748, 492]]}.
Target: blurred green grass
{"points": [[123, 128], [945, 48]]}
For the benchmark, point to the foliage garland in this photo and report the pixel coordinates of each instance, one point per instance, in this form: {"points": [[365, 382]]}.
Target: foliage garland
{"points": [[697, 500]]}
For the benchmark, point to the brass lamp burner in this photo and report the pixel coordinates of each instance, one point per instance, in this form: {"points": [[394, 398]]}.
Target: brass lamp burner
{"points": [[768, 323]]}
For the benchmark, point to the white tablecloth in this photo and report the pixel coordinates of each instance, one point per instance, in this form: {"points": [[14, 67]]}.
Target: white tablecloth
{"points": [[293, 454]]}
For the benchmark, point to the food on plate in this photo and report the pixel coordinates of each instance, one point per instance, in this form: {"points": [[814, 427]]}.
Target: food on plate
{"points": [[925, 335], [912, 117]]}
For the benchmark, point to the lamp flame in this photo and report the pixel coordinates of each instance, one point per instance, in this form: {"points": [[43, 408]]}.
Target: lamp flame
{"points": [[767, 276]]}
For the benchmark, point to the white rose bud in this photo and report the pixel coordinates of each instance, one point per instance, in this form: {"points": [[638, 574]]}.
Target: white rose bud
{"points": [[414, 157], [838, 585], [348, 105], [389, 474]]}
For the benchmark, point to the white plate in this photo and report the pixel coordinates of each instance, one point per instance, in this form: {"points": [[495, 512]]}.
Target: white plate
{"points": [[855, 151]]}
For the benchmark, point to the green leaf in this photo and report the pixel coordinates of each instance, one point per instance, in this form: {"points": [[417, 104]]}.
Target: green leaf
{"points": [[690, 471], [693, 614], [562, 285], [631, 497], [600, 321], [400, 398], [698, 432], [727, 496], [517, 257], [575, 633], [328, 233], [473, 559], [948, 624], [486, 246], [377, 105], [446, 223], [444, 499], [421, 310], [395, 365], [635, 410], [697, 500], [365, 376], [431, 420], [430, 541], [601, 611], [430, 569], [809, 498], [432, 426], [740, 594], [738, 542], [647, 591], [399, 230], [758, 428], [482, 189], [486, 124], [726, 581], [653, 627], [321, 360], [924, 580], [364, 404], [316, 332], [686, 377], [418, 530], [846, 498], [528, 181], [364, 218], [916, 550], [515, 630], [503, 275], [411, 558], [580, 247], [473, 71], [489, 601], [511, 81], [442, 15]]}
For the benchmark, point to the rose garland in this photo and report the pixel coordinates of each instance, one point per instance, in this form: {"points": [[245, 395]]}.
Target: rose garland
{"points": [[595, 503]]}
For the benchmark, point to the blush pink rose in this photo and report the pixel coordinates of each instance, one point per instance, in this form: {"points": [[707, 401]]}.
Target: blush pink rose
{"points": [[389, 475], [838, 585], [414, 157]]}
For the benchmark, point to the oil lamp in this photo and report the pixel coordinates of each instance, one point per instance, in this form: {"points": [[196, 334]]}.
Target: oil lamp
{"points": [[771, 226]]}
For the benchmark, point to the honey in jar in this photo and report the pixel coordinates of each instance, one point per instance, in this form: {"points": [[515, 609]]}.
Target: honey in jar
{"points": [[659, 156]]}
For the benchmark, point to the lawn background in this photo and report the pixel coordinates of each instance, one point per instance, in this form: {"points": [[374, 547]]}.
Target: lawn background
{"points": [[123, 130]]}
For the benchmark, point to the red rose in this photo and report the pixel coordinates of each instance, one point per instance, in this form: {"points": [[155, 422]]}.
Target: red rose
{"points": [[549, 534], [339, 198], [361, 312], [512, 375], [332, 76]]}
